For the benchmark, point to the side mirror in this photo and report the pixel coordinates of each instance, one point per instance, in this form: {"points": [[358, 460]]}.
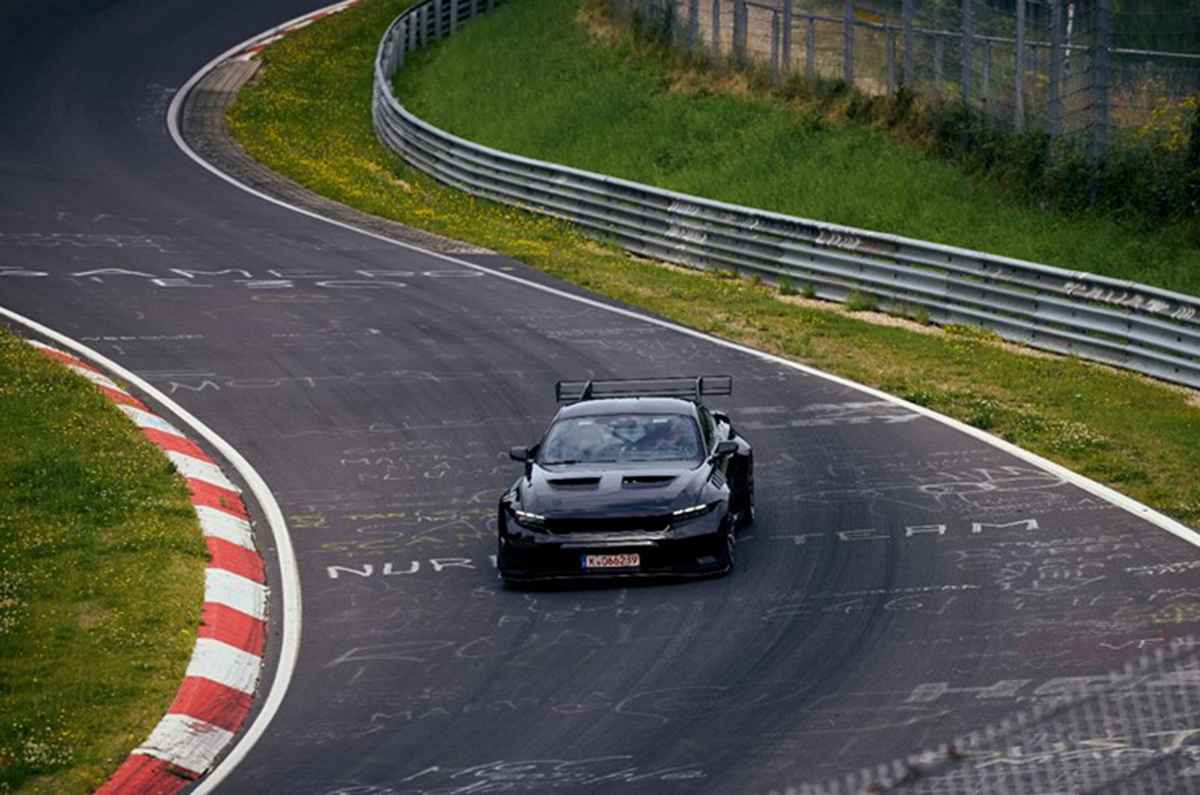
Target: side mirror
{"points": [[518, 453], [725, 449]]}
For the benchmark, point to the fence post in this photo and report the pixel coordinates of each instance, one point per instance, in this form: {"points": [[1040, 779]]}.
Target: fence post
{"points": [[1019, 76], [891, 59], [939, 60], [968, 49], [848, 43], [1100, 65], [453, 16], [787, 36], [908, 42], [437, 20], [739, 30], [716, 27], [1056, 67], [810, 48], [693, 34], [775, 44], [986, 76]]}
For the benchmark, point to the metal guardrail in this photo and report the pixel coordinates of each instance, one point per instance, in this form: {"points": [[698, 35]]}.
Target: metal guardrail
{"points": [[1120, 323]]}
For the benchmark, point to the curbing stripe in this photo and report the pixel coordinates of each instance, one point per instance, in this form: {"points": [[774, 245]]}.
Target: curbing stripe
{"points": [[227, 527], [224, 664], [144, 419], [194, 468], [188, 743], [235, 559], [211, 702], [232, 590], [95, 377], [145, 775], [233, 627], [217, 498], [215, 696], [177, 444], [122, 398]]}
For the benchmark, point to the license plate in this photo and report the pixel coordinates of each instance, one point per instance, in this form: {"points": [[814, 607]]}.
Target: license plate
{"points": [[627, 561]]}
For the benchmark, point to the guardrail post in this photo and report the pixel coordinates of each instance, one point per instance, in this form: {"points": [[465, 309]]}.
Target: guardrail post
{"points": [[739, 30], [693, 30], [1056, 66], [787, 35], [1100, 77], [1019, 76], [907, 14], [968, 49], [810, 49], [716, 27], [848, 43]]}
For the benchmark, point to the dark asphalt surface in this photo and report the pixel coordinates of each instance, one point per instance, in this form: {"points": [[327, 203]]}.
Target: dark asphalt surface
{"points": [[904, 583]]}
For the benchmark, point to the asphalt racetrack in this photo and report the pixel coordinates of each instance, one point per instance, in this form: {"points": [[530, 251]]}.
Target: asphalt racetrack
{"points": [[904, 582]]}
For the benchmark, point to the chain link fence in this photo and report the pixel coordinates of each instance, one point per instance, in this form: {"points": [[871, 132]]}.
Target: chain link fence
{"points": [[1089, 70]]}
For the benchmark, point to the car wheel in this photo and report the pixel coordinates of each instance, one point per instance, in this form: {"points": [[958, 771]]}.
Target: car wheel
{"points": [[731, 552], [745, 514]]}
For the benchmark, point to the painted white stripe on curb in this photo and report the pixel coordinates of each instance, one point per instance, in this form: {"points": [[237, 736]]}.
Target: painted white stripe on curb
{"points": [[93, 376], [227, 527], [192, 467], [232, 590], [144, 419], [225, 664], [184, 741]]}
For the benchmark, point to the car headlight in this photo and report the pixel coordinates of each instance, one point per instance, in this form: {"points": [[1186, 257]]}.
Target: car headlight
{"points": [[692, 512], [533, 521]]}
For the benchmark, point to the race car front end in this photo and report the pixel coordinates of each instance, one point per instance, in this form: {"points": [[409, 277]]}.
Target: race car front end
{"points": [[691, 541]]}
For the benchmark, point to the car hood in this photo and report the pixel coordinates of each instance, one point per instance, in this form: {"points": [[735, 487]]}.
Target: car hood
{"points": [[641, 489]]}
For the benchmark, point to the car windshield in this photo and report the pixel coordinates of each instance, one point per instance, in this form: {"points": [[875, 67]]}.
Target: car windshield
{"points": [[621, 438]]}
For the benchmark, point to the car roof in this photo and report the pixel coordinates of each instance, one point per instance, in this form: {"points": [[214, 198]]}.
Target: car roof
{"points": [[637, 405]]}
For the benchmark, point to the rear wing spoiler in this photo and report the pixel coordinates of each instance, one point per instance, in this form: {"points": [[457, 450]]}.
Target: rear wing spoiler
{"points": [[686, 387]]}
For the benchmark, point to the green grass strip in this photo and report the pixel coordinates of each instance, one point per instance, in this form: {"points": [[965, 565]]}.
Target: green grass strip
{"points": [[101, 579], [308, 117], [534, 79]]}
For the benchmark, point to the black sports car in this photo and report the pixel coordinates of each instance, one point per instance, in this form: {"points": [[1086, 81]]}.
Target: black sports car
{"points": [[633, 478]]}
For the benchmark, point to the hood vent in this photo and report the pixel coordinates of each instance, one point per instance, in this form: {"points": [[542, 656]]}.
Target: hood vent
{"points": [[646, 481], [574, 483]]}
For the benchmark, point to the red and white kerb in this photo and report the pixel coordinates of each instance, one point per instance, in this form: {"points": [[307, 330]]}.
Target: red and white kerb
{"points": [[214, 699], [257, 45]]}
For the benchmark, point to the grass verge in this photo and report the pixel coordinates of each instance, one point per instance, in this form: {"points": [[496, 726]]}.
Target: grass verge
{"points": [[593, 95], [101, 579], [308, 117]]}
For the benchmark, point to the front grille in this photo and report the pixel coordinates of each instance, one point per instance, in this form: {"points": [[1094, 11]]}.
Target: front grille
{"points": [[616, 524]]}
